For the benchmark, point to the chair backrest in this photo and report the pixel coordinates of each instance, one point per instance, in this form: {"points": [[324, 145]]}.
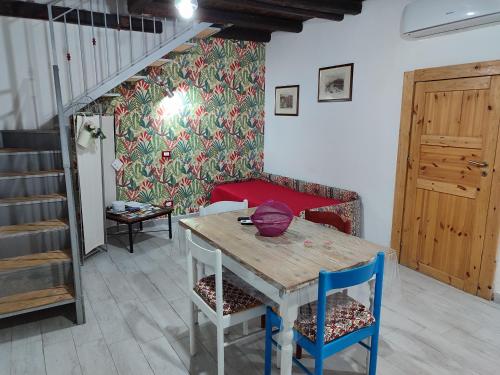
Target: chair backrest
{"points": [[212, 258], [223, 206], [329, 218], [345, 279]]}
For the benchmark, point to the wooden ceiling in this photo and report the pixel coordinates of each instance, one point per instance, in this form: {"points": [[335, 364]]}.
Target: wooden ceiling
{"points": [[254, 19], [39, 11]]}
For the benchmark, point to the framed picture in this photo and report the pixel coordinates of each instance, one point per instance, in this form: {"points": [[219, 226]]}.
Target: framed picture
{"points": [[286, 101], [335, 83]]}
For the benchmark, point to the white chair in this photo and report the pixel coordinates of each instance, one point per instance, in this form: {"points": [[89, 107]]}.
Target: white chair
{"points": [[224, 304], [217, 208], [223, 206]]}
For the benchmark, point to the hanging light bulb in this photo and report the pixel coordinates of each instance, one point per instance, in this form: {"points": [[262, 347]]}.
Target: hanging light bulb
{"points": [[172, 105], [186, 8]]}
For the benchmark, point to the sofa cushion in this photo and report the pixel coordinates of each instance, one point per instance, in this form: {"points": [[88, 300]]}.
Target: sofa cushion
{"points": [[258, 191]]}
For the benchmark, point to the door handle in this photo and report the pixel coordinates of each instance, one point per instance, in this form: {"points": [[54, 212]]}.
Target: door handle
{"points": [[479, 164]]}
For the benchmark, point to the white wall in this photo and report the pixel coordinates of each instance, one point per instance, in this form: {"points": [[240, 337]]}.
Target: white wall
{"points": [[353, 145], [27, 98], [26, 94]]}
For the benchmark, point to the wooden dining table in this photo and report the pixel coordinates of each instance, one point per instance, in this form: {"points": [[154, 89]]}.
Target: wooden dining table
{"points": [[285, 269]]}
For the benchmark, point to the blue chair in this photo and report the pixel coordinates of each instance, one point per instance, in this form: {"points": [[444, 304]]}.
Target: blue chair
{"points": [[341, 320]]}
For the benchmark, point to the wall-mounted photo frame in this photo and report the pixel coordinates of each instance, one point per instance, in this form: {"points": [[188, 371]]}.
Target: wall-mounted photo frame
{"points": [[286, 100], [335, 83]]}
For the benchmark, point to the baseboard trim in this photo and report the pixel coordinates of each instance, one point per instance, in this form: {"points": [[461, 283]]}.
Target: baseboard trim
{"points": [[496, 297]]}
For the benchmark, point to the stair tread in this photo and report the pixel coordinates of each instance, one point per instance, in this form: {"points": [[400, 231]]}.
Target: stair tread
{"points": [[160, 62], [34, 260], [51, 131], [136, 78], [35, 173], [14, 149], [40, 226], [184, 47], [208, 32], [24, 150], [33, 198], [34, 299]]}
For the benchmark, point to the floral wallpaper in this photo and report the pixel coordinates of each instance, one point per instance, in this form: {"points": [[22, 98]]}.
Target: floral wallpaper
{"points": [[207, 108]]}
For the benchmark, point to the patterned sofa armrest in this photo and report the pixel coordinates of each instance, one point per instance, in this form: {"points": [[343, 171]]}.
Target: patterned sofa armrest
{"points": [[280, 180], [311, 188], [350, 209]]}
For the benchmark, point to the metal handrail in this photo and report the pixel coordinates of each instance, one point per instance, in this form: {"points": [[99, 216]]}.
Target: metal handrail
{"points": [[97, 64]]}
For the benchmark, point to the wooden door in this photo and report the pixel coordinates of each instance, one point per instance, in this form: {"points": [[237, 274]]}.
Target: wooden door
{"points": [[453, 142]]}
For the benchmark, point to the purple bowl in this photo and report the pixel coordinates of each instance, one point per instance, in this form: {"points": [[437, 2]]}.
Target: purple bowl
{"points": [[272, 218]]}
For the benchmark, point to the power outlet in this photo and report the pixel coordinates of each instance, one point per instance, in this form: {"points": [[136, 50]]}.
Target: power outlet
{"points": [[169, 204], [166, 154]]}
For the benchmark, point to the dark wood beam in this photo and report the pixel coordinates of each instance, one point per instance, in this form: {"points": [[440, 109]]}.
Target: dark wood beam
{"points": [[138, 6], [283, 10], [240, 33], [37, 11], [245, 20], [249, 20], [329, 6]]}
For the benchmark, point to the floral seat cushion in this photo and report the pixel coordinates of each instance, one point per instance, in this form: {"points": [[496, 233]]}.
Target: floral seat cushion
{"points": [[235, 299], [343, 315]]}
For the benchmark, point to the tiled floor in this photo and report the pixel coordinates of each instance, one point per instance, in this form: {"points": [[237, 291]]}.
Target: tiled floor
{"points": [[136, 310]]}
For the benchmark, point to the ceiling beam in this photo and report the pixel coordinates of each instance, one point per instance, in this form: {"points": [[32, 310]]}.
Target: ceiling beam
{"points": [[240, 33], [137, 6], [249, 20], [284, 10], [245, 20], [37, 11], [329, 6]]}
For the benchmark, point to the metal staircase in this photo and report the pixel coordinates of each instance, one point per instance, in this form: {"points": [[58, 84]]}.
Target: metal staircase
{"points": [[95, 47], [36, 269]]}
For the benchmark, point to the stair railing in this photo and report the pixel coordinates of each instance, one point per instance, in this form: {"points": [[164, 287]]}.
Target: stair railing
{"points": [[98, 43], [102, 47]]}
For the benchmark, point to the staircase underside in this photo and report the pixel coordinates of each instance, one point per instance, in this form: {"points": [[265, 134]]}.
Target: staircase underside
{"points": [[151, 57]]}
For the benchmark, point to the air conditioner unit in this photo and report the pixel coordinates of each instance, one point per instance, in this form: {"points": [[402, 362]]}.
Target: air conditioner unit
{"points": [[425, 18]]}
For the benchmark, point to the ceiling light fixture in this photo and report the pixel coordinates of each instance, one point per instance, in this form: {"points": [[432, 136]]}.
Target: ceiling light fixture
{"points": [[186, 8]]}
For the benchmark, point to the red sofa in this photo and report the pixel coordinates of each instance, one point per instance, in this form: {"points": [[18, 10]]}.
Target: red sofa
{"points": [[300, 196]]}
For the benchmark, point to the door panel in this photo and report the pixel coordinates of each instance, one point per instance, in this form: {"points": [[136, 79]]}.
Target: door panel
{"points": [[452, 148], [448, 140]]}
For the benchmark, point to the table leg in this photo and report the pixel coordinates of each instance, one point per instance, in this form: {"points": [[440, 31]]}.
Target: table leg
{"points": [[130, 238], [170, 225], [140, 226], [289, 313]]}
